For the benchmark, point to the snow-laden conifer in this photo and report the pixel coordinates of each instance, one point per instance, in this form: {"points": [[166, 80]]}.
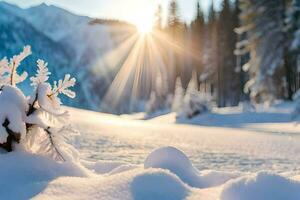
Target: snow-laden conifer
{"points": [[37, 122], [194, 102], [178, 96]]}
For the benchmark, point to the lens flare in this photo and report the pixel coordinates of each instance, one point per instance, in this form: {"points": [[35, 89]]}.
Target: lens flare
{"points": [[144, 24]]}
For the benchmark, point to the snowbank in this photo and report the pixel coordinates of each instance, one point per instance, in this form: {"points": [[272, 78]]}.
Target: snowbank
{"points": [[167, 175], [158, 184], [174, 160], [178, 163], [138, 184], [262, 186], [24, 175]]}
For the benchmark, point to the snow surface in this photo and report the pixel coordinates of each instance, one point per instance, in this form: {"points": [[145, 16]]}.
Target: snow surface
{"points": [[126, 159]]}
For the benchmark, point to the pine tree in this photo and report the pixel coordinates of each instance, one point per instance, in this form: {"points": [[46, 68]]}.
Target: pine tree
{"points": [[211, 61], [292, 37], [194, 103], [178, 96], [158, 18], [175, 29], [37, 120], [197, 41], [263, 22], [173, 17], [228, 78]]}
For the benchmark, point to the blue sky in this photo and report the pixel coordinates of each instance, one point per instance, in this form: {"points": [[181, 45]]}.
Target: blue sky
{"points": [[120, 9]]}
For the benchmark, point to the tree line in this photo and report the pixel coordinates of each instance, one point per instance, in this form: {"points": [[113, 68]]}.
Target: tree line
{"points": [[245, 50]]}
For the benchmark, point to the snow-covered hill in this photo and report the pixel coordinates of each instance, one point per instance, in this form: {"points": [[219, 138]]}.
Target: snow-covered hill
{"points": [[67, 41]]}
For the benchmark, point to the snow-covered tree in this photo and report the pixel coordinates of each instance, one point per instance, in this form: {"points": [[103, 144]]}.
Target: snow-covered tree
{"points": [[194, 102], [37, 122], [293, 24], [151, 104], [159, 98], [178, 96], [263, 24], [292, 33], [296, 98]]}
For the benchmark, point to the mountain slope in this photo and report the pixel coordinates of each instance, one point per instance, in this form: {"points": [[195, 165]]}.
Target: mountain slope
{"points": [[16, 32], [67, 41]]}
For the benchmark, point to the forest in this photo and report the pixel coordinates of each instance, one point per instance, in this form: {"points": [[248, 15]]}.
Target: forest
{"points": [[246, 50]]}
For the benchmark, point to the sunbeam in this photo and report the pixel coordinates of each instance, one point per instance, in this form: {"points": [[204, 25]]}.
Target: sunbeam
{"points": [[136, 68]]}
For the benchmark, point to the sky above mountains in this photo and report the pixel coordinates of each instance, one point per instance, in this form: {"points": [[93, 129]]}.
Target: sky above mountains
{"points": [[128, 10]]}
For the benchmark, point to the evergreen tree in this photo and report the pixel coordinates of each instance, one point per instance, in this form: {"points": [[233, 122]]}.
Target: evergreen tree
{"points": [[176, 31], [228, 78], [211, 61], [173, 18], [158, 18], [194, 103], [197, 40], [263, 22], [292, 37], [178, 96]]}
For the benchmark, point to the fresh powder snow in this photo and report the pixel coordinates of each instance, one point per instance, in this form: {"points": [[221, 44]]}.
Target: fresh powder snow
{"points": [[128, 159]]}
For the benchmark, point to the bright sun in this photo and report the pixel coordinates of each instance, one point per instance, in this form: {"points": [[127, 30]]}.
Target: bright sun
{"points": [[144, 25]]}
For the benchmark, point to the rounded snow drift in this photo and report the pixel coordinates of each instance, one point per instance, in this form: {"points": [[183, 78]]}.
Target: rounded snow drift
{"points": [[263, 186], [160, 185], [175, 161]]}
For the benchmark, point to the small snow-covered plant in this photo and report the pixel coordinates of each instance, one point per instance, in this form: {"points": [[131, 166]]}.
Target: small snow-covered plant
{"points": [[36, 122], [194, 102], [151, 104]]}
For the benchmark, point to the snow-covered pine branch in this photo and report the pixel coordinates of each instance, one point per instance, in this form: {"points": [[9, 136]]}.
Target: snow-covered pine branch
{"points": [[42, 74], [12, 76], [33, 121]]}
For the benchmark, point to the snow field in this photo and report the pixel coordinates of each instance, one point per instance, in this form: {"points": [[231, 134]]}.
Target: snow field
{"points": [[167, 175]]}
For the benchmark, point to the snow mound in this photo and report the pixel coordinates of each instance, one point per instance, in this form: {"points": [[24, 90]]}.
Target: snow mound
{"points": [[24, 175], [262, 186], [137, 184], [174, 160], [161, 185], [178, 163]]}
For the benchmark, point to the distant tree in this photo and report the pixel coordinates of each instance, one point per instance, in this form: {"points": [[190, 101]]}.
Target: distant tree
{"points": [[159, 97], [197, 40], [178, 96], [292, 47], [158, 18], [173, 18], [194, 102], [228, 78], [176, 30], [211, 60]]}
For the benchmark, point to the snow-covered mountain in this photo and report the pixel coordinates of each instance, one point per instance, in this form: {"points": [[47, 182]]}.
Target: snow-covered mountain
{"points": [[67, 41]]}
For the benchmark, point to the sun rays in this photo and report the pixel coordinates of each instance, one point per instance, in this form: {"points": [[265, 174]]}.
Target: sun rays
{"points": [[134, 67]]}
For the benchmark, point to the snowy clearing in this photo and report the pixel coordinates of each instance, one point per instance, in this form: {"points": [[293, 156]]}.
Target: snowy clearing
{"points": [[248, 147], [117, 163]]}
